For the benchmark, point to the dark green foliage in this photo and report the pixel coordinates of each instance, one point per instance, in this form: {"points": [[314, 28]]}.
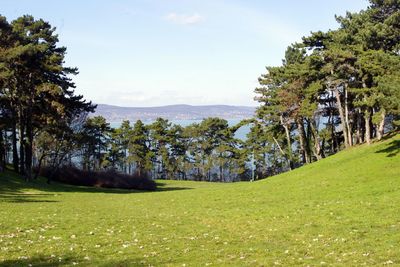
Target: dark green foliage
{"points": [[36, 91], [139, 151], [95, 141], [105, 179], [333, 90], [341, 91]]}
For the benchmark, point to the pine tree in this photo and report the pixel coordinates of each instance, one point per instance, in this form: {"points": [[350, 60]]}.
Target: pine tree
{"points": [[139, 152]]}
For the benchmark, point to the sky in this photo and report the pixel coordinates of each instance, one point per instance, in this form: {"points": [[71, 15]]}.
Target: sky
{"points": [[163, 52]]}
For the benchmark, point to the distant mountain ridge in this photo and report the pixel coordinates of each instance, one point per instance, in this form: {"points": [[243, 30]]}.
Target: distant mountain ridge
{"points": [[173, 112]]}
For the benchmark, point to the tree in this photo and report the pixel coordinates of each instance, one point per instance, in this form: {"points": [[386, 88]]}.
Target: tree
{"points": [[272, 113], [178, 158], [114, 156], [124, 134], [139, 151], [159, 146], [95, 140], [36, 87], [344, 79]]}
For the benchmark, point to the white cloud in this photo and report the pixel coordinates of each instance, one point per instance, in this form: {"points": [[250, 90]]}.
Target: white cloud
{"points": [[184, 19]]}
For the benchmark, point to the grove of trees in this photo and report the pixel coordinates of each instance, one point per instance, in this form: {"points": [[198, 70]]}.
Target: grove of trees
{"points": [[36, 93], [206, 151], [334, 89]]}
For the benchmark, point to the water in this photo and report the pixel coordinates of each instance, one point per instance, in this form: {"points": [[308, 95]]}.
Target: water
{"points": [[240, 133]]}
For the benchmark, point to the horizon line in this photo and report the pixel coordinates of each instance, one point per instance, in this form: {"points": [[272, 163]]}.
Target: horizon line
{"points": [[173, 105]]}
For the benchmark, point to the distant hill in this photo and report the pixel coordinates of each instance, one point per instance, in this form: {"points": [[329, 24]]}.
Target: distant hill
{"points": [[173, 112]]}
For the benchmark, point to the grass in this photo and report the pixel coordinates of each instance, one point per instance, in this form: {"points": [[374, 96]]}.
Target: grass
{"points": [[343, 210]]}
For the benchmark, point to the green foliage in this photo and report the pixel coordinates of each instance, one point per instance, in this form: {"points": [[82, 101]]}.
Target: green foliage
{"points": [[36, 91], [139, 152], [95, 141], [333, 90], [345, 78]]}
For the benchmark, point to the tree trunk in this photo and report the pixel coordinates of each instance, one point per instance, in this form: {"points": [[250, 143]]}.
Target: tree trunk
{"points": [[198, 174], [303, 152], [99, 157], [287, 132], [346, 111], [368, 127], [28, 149], [381, 126], [333, 143], [308, 137], [39, 166], [342, 116], [21, 148], [279, 147], [318, 152], [359, 133], [221, 173], [15, 148], [2, 152]]}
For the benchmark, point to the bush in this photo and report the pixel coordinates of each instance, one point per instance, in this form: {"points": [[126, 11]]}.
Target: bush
{"points": [[104, 179]]}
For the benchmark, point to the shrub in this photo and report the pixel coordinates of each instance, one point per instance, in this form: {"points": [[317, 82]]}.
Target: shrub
{"points": [[104, 179]]}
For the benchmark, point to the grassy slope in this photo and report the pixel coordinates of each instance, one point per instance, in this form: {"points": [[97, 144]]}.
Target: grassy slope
{"points": [[343, 210]]}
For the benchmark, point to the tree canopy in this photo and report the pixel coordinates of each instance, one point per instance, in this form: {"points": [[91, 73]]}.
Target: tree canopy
{"points": [[333, 90]]}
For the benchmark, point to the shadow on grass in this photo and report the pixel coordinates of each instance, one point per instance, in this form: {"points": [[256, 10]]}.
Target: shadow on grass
{"points": [[392, 149], [20, 198], [15, 189], [162, 187], [46, 261]]}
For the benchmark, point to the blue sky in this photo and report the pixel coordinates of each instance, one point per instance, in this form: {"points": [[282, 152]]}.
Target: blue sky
{"points": [[161, 52]]}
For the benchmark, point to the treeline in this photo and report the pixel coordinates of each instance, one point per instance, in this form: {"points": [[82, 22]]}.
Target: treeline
{"points": [[334, 89], [44, 125], [205, 151]]}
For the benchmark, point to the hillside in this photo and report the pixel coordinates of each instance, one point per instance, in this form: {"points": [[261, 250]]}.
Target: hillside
{"points": [[343, 210], [173, 112]]}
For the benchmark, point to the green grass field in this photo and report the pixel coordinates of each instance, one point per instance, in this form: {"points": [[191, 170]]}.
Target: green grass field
{"points": [[344, 210]]}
